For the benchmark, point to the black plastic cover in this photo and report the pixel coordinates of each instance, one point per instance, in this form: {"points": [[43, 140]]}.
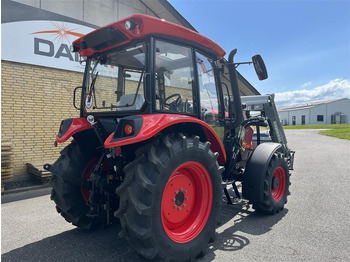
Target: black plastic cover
{"points": [[104, 38], [256, 169], [65, 125], [135, 121]]}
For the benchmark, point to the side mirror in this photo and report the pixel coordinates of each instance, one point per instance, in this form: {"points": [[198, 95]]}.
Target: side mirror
{"points": [[259, 66]]}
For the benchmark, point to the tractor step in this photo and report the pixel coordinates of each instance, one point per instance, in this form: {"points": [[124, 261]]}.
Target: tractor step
{"points": [[237, 198]]}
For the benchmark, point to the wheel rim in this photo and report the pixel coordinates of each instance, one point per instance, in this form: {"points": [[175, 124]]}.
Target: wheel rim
{"points": [[278, 183], [186, 202], [85, 177]]}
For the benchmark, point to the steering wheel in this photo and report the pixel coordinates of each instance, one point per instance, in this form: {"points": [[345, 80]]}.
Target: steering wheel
{"points": [[175, 104]]}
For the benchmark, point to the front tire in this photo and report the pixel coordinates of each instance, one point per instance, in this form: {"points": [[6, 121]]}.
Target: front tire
{"points": [[67, 193], [275, 187], [170, 199]]}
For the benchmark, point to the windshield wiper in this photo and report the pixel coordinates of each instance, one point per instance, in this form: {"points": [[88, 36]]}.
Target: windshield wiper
{"points": [[92, 86], [94, 76]]}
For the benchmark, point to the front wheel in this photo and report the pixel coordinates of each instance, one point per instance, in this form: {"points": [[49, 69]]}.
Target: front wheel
{"points": [[170, 199], [275, 187]]}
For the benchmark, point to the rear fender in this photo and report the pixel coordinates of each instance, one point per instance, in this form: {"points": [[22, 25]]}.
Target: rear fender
{"points": [[70, 127], [256, 168], [147, 126]]}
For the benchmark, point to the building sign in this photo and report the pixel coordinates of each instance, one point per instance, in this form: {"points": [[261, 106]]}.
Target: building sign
{"points": [[42, 42]]}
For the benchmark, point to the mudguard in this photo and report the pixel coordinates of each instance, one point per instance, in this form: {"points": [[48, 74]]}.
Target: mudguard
{"points": [[256, 169], [147, 126], [71, 126]]}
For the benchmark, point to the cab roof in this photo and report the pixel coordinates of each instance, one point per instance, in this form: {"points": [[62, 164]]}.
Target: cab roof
{"points": [[141, 26]]}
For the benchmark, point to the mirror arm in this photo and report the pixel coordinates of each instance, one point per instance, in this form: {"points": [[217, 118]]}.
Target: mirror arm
{"points": [[241, 63]]}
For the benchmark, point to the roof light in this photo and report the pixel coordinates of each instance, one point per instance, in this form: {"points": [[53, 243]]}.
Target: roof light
{"points": [[130, 24]]}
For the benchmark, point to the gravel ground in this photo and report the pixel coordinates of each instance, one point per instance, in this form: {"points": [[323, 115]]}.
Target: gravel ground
{"points": [[25, 181]]}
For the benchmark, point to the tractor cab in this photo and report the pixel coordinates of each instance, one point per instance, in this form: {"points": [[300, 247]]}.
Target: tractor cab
{"points": [[136, 67], [142, 65]]}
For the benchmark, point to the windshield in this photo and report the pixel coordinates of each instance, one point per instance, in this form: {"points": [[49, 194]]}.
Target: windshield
{"points": [[114, 81]]}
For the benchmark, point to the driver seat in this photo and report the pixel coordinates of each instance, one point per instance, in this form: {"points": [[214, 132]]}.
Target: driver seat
{"points": [[127, 100]]}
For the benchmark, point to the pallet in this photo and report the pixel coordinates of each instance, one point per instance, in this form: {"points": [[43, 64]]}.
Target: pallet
{"points": [[39, 172], [6, 162]]}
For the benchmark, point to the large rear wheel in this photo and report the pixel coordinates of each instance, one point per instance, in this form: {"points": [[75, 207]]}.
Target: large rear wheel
{"points": [[170, 199], [67, 191]]}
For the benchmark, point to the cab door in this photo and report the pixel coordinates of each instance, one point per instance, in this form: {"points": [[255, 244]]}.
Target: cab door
{"points": [[210, 109]]}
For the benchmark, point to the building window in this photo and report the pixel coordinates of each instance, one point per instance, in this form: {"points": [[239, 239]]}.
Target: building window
{"points": [[303, 119], [293, 120], [319, 118]]}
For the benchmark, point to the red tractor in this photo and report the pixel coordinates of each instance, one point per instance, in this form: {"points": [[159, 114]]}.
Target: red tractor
{"points": [[162, 133]]}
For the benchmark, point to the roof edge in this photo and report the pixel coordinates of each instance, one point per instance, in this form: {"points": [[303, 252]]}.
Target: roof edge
{"points": [[312, 104]]}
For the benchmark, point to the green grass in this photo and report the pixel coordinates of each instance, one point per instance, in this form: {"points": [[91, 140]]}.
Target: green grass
{"points": [[340, 131], [333, 126], [343, 133]]}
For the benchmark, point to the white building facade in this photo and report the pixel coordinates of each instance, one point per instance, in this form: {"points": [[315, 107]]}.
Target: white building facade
{"points": [[317, 113]]}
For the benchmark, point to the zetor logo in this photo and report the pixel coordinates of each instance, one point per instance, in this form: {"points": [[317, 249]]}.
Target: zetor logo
{"points": [[49, 48]]}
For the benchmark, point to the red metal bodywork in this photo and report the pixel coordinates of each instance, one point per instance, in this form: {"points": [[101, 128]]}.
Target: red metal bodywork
{"points": [[153, 124], [248, 138], [146, 26], [78, 125]]}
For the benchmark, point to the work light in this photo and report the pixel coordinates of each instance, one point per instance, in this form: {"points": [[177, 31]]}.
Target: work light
{"points": [[130, 24]]}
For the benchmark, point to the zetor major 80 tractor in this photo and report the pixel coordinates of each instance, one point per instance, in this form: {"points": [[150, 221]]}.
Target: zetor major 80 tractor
{"points": [[162, 132]]}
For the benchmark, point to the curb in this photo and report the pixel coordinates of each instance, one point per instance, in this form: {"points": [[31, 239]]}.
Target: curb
{"points": [[24, 193], [23, 189]]}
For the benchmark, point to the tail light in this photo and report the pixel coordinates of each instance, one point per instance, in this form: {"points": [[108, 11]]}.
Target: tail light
{"points": [[128, 130]]}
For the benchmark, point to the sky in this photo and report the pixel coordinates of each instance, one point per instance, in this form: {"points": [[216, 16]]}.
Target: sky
{"points": [[305, 43]]}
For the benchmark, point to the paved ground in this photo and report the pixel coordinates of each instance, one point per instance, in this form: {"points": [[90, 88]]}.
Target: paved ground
{"points": [[315, 226]]}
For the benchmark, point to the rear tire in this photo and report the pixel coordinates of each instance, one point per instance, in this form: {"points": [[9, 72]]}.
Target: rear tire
{"points": [[67, 192], [170, 199], [275, 188]]}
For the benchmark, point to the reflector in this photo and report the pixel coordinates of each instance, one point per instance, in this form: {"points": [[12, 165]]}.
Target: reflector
{"points": [[128, 129]]}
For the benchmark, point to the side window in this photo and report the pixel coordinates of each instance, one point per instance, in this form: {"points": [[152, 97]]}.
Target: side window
{"points": [[207, 87], [227, 93], [208, 93], [174, 78]]}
